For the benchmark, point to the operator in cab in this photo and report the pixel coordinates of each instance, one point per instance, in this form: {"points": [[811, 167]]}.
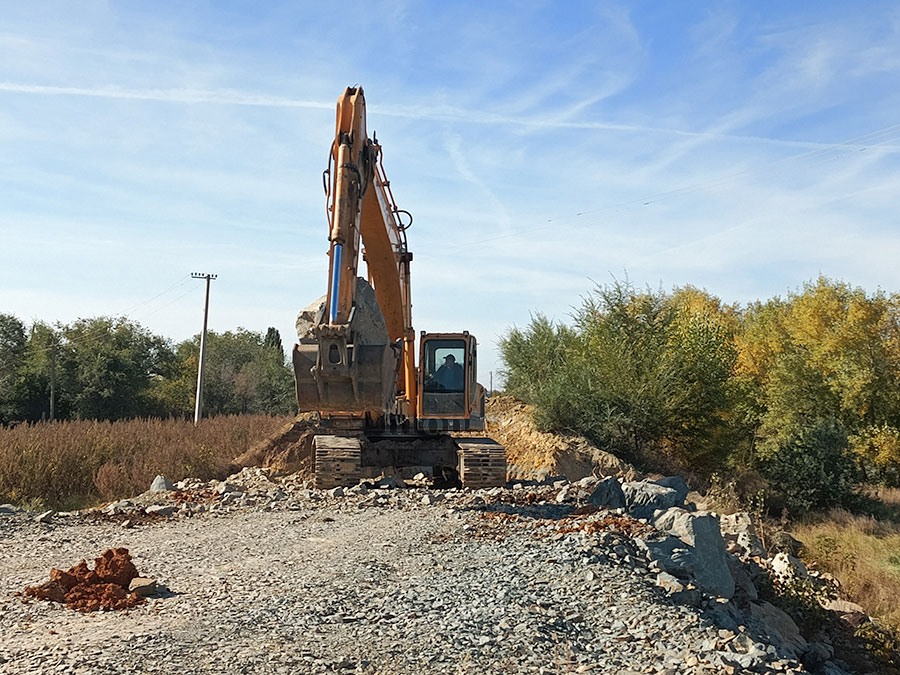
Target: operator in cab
{"points": [[450, 375]]}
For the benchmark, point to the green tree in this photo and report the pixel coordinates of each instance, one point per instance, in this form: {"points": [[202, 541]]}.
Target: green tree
{"points": [[825, 352], [273, 341], [38, 363], [701, 348], [12, 352], [245, 373], [107, 367]]}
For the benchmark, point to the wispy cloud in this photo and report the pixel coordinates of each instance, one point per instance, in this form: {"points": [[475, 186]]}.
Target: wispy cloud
{"points": [[220, 96], [415, 112]]}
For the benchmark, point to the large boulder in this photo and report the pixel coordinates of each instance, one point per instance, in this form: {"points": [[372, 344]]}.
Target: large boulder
{"points": [[736, 523], [670, 553], [642, 498], [608, 494], [676, 483], [779, 627], [744, 590], [701, 531], [740, 535]]}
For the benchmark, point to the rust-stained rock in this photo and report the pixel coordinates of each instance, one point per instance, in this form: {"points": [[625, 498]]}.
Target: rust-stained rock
{"points": [[115, 567], [52, 590], [105, 587], [65, 579], [90, 598]]}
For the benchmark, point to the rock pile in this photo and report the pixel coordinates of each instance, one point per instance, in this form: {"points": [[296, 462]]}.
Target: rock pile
{"points": [[699, 554], [696, 562], [114, 583]]}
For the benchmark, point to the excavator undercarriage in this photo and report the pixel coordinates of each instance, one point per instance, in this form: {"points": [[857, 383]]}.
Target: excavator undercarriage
{"points": [[469, 462]]}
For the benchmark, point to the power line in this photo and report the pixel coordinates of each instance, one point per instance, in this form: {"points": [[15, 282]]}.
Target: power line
{"points": [[99, 330]]}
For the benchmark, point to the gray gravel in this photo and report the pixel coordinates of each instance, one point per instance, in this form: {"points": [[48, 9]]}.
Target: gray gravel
{"points": [[390, 581]]}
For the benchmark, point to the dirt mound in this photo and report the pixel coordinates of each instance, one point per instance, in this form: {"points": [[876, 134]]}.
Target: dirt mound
{"points": [[536, 454], [288, 450], [531, 454], [105, 587]]}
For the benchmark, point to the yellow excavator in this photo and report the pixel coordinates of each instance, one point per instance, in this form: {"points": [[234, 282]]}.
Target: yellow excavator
{"points": [[355, 364]]}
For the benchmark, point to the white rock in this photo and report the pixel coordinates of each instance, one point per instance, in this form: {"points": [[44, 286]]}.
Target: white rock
{"points": [[735, 523], [669, 583], [787, 567], [161, 484], [143, 586]]}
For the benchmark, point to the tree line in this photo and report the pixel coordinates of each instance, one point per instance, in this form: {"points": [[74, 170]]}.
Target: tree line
{"points": [[802, 391], [109, 368]]}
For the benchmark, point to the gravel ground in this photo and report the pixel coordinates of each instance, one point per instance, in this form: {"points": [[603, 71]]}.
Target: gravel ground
{"points": [[375, 583]]}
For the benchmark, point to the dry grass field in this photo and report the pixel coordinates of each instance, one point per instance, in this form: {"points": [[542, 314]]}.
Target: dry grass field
{"points": [[863, 553], [68, 465]]}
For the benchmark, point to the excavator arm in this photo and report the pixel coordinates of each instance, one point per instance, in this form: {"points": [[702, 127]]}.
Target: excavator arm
{"points": [[356, 351]]}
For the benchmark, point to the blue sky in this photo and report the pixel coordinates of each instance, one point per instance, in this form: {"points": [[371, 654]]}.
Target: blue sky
{"points": [[540, 146]]}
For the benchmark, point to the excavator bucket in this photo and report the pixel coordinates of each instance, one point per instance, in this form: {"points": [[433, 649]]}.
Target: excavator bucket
{"points": [[348, 379], [346, 368]]}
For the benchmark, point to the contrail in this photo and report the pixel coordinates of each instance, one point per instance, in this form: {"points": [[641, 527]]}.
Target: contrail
{"points": [[219, 96], [442, 114]]}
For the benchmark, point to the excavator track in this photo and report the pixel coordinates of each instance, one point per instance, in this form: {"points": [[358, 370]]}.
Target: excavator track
{"points": [[482, 463], [337, 461]]}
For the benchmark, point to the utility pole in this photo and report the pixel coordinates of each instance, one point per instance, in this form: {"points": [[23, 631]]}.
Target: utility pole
{"points": [[198, 405]]}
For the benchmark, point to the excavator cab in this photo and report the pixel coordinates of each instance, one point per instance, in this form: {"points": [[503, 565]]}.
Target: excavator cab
{"points": [[449, 396]]}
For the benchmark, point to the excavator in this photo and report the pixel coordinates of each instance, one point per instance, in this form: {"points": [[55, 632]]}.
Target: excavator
{"points": [[355, 361]]}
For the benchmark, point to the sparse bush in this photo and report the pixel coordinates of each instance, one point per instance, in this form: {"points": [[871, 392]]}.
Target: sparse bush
{"points": [[802, 600], [883, 643]]}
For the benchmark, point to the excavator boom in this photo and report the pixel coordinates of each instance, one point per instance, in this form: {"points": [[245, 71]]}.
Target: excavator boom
{"points": [[356, 351]]}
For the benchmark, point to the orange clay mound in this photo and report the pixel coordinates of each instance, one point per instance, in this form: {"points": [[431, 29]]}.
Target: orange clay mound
{"points": [[105, 587]]}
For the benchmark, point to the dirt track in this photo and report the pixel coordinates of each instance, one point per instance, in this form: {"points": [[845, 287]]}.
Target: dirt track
{"points": [[383, 584]]}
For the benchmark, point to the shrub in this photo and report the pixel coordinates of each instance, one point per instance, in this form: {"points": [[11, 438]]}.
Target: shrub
{"points": [[813, 467]]}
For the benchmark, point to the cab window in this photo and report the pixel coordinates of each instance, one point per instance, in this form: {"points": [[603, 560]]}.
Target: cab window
{"points": [[445, 365]]}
